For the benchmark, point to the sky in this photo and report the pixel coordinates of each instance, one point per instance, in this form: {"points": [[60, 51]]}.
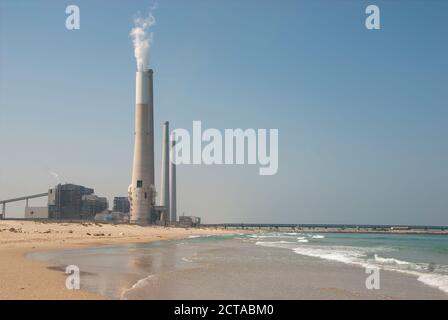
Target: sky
{"points": [[362, 114]]}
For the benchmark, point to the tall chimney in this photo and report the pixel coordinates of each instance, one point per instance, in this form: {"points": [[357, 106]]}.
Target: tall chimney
{"points": [[164, 178], [141, 191], [173, 214]]}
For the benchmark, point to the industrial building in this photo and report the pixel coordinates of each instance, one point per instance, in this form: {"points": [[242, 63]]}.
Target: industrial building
{"points": [[92, 204], [65, 202], [112, 217], [36, 212], [74, 202], [121, 204]]}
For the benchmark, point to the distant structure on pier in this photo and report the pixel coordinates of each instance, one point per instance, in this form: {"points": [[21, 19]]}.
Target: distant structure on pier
{"points": [[189, 221]]}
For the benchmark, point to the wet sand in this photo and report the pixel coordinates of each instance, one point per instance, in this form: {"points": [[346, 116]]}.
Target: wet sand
{"points": [[228, 269], [25, 278]]}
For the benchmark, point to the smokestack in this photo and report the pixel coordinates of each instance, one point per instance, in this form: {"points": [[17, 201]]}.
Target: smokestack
{"points": [[164, 181], [141, 191], [173, 214]]}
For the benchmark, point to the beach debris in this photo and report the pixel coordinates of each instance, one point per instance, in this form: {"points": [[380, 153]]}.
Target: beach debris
{"points": [[98, 234], [88, 234], [15, 230], [121, 233], [48, 231]]}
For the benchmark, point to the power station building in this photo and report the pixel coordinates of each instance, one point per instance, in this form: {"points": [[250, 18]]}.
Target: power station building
{"points": [[74, 202], [121, 204]]}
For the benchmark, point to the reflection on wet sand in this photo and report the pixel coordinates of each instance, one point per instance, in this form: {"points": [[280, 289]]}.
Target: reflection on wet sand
{"points": [[226, 268]]}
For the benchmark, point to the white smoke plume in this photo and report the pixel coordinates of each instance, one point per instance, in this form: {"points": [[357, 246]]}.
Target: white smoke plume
{"points": [[57, 176], [142, 39]]}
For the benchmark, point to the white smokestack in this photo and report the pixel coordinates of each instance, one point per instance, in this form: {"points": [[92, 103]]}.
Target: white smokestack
{"points": [[142, 40], [164, 181], [173, 205]]}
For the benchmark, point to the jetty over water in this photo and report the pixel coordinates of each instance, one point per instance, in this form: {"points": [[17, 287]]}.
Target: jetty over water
{"points": [[334, 227]]}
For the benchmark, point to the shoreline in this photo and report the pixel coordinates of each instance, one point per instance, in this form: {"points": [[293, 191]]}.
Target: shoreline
{"points": [[22, 277], [209, 267]]}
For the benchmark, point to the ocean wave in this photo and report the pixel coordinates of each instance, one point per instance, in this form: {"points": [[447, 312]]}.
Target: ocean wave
{"points": [[379, 259], [139, 284], [186, 259], [268, 235], [434, 280], [432, 275], [358, 256], [344, 255], [425, 272], [280, 244], [200, 236]]}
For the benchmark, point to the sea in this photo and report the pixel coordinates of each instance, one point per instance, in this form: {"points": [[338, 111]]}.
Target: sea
{"points": [[272, 265]]}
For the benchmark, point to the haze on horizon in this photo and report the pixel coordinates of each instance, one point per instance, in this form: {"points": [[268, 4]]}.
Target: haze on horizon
{"points": [[362, 115]]}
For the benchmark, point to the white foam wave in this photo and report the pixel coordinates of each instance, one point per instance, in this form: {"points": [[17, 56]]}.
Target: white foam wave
{"points": [[389, 260], [139, 284], [356, 256], [432, 279], [279, 244], [348, 256], [432, 275], [435, 280], [262, 236]]}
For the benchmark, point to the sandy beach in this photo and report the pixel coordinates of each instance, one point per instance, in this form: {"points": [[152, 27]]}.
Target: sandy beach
{"points": [[122, 256], [25, 278]]}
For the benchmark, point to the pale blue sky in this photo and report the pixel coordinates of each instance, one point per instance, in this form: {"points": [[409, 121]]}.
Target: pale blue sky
{"points": [[362, 115]]}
